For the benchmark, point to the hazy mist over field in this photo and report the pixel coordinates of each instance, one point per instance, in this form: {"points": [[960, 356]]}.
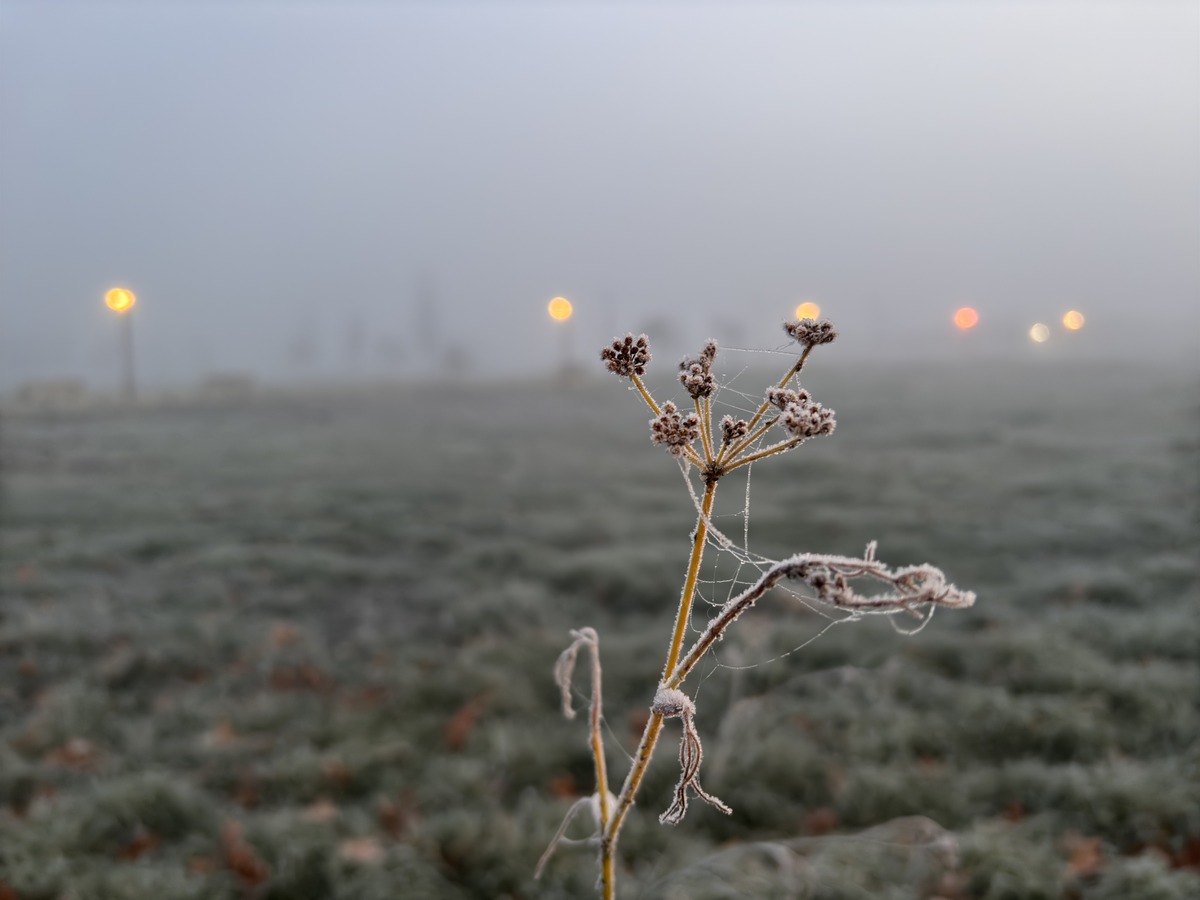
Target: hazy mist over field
{"points": [[321, 190], [283, 621]]}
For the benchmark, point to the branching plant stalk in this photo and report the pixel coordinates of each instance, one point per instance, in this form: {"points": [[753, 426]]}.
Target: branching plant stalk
{"points": [[765, 405], [829, 578], [748, 441], [762, 454], [650, 401]]}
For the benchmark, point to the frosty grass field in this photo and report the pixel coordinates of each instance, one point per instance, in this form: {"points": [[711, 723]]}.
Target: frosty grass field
{"points": [[302, 647]]}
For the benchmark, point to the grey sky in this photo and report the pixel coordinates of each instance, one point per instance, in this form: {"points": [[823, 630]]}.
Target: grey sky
{"points": [[264, 172]]}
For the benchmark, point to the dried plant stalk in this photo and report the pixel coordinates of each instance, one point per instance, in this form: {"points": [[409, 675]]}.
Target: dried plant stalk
{"points": [[733, 444]]}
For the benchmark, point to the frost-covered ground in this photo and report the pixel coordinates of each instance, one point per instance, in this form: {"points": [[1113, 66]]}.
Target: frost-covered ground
{"points": [[302, 647]]}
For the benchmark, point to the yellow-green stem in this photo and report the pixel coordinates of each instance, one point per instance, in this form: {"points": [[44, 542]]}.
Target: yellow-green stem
{"points": [[598, 740], [708, 428], [606, 868], [705, 434], [770, 451], [732, 452], [608, 839], [641, 761], [689, 585], [637, 383]]}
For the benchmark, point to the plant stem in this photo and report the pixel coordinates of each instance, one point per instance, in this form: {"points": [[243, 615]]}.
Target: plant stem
{"points": [[599, 761], [732, 451], [705, 433], [597, 738], [689, 585], [769, 451], [637, 383], [608, 840]]}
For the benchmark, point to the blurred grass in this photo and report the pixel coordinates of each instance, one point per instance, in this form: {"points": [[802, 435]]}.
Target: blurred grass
{"points": [[302, 647]]}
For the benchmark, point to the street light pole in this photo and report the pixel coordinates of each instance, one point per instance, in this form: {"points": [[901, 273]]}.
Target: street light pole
{"points": [[121, 301], [129, 381], [560, 310]]}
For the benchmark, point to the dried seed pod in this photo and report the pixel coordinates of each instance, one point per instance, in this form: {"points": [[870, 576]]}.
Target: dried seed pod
{"points": [[676, 432], [696, 374], [800, 415], [805, 420], [811, 332], [733, 429]]}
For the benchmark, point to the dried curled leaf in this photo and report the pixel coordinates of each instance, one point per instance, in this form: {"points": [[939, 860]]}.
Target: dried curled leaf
{"points": [[564, 668], [672, 703]]}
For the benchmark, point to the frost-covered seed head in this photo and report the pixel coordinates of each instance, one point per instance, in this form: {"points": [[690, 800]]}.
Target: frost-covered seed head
{"points": [[810, 332], [674, 431], [696, 374], [627, 357], [808, 420], [696, 381], [732, 429], [782, 398], [800, 415]]}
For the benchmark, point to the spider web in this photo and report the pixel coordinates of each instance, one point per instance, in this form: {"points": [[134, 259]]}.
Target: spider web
{"points": [[730, 564]]}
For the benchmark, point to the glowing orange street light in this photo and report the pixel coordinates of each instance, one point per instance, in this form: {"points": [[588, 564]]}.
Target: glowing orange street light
{"points": [[121, 301], [966, 318], [560, 309], [808, 310], [1073, 320]]}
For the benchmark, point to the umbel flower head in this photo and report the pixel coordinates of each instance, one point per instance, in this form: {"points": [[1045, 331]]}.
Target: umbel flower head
{"points": [[696, 374], [732, 429], [800, 415], [810, 332], [674, 431], [627, 357]]}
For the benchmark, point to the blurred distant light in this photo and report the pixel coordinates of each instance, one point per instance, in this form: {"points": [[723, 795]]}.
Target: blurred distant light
{"points": [[1073, 320], [808, 310], [966, 318], [120, 300], [1039, 333], [560, 309]]}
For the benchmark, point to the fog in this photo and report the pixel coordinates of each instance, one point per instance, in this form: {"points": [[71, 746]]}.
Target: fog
{"points": [[320, 190]]}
